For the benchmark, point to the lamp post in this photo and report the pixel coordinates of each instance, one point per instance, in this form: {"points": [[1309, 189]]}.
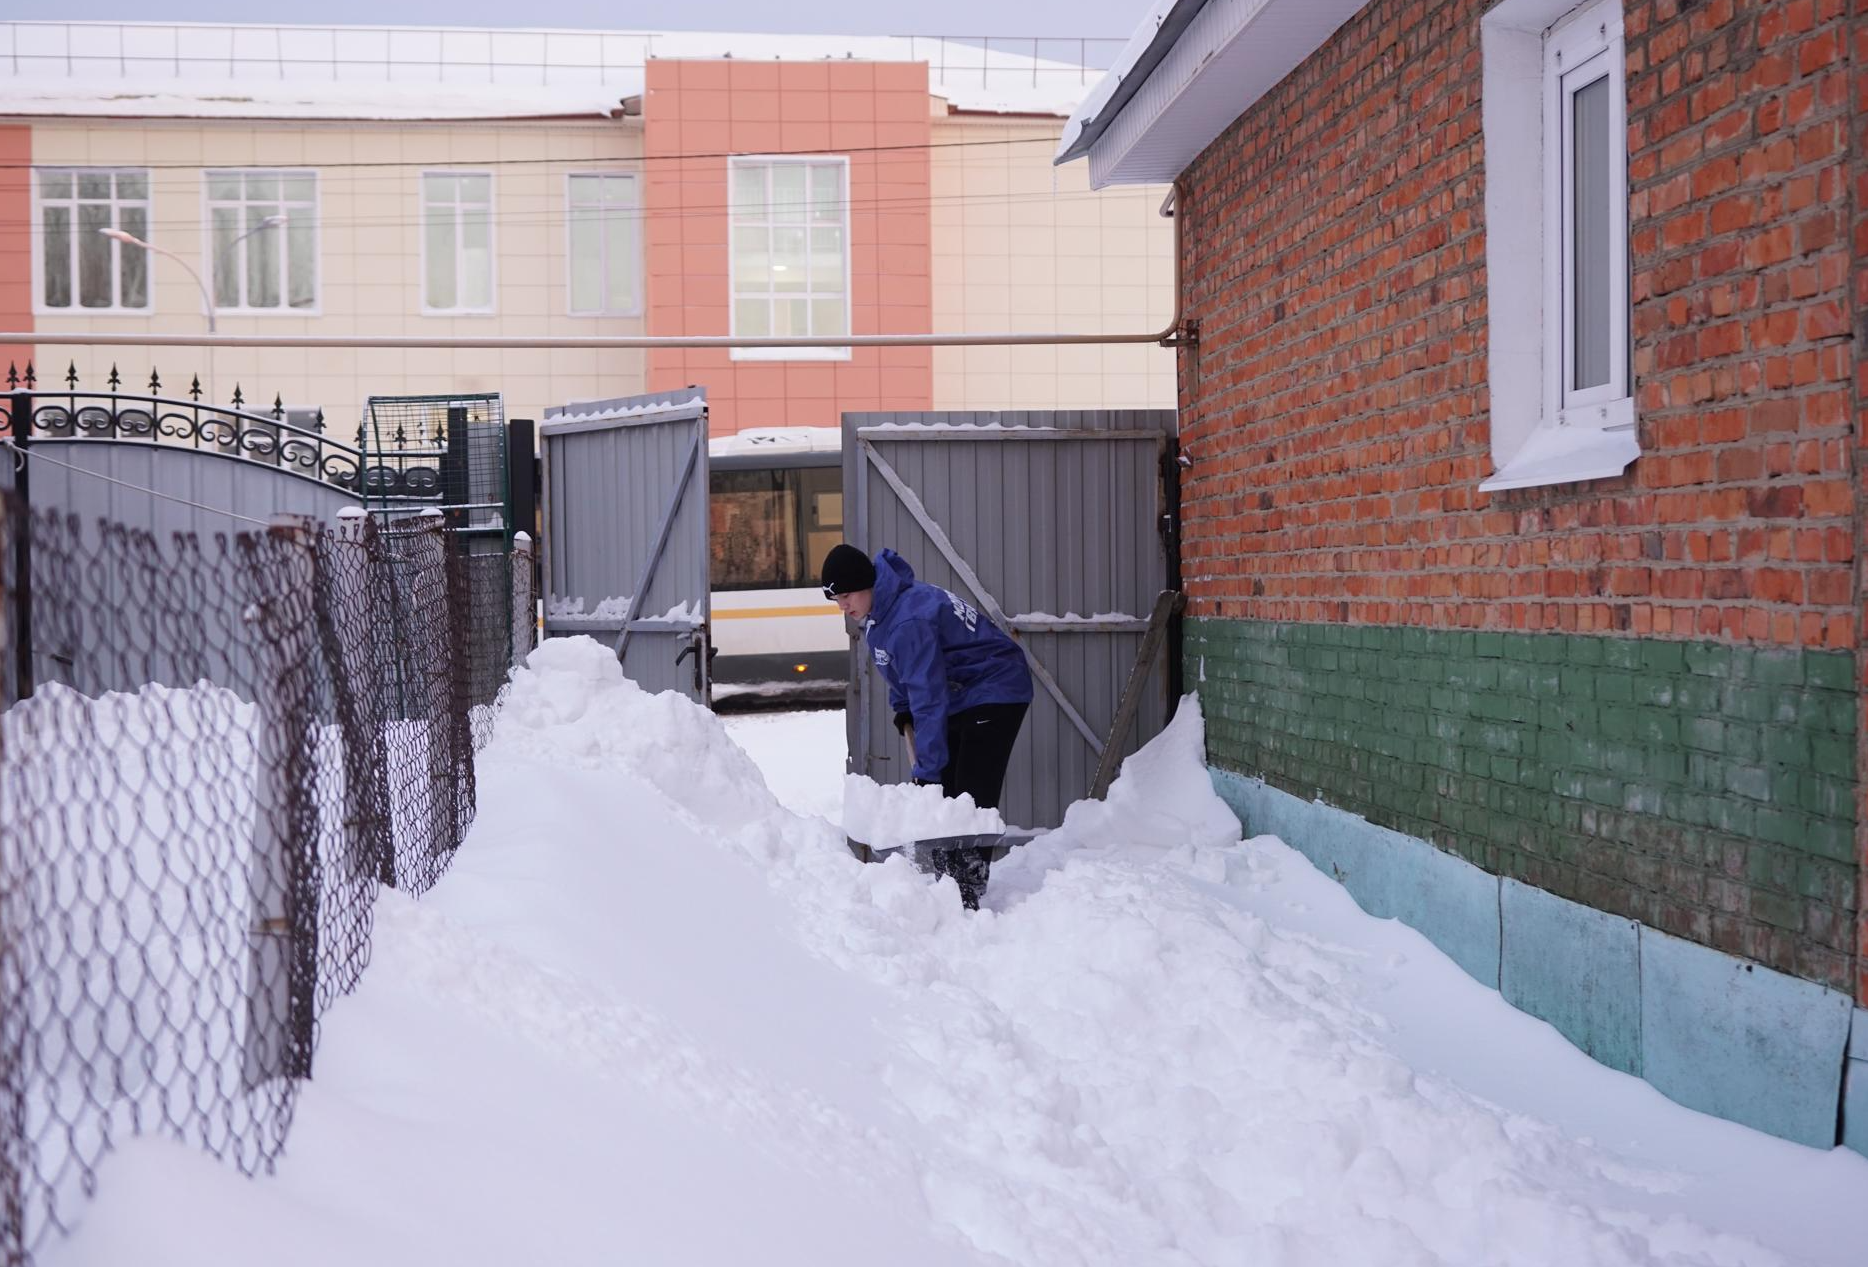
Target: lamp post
{"points": [[207, 300]]}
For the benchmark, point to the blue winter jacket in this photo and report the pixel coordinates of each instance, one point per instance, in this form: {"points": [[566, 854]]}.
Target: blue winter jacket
{"points": [[939, 656]]}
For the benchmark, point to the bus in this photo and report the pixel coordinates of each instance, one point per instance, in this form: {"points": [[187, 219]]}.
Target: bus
{"points": [[775, 510]]}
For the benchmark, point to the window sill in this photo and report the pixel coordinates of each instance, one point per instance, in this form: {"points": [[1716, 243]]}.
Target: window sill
{"points": [[789, 354], [1565, 455], [74, 311]]}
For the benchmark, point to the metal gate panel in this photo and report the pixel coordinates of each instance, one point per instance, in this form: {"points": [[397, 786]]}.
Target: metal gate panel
{"points": [[625, 526], [1060, 521]]}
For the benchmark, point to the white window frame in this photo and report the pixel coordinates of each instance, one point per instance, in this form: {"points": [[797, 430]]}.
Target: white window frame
{"points": [[492, 243], [117, 307], [285, 309], [849, 254], [634, 306], [1536, 55], [1578, 53]]}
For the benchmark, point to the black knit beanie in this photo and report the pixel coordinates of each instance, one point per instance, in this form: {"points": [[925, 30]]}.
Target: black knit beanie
{"points": [[847, 570]]}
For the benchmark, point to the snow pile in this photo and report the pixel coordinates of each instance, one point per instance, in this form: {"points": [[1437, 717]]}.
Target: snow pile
{"points": [[1162, 796], [572, 704], [652, 1014], [886, 816]]}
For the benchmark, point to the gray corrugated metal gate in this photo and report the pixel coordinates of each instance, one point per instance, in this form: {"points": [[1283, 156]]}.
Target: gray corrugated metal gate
{"points": [[1060, 527], [625, 515]]}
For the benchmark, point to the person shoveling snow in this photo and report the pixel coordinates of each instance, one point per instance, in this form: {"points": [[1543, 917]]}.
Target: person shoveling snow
{"points": [[958, 686]]}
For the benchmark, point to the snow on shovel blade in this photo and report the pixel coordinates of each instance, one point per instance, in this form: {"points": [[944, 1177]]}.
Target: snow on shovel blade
{"points": [[999, 842]]}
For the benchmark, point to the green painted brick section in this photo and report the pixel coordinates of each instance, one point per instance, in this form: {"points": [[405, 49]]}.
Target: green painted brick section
{"points": [[1705, 788]]}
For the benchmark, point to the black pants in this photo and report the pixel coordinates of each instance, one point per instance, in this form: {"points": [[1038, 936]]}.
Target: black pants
{"points": [[979, 748]]}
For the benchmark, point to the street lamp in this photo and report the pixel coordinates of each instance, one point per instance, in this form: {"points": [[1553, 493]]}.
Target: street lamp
{"points": [[207, 300], [130, 239]]}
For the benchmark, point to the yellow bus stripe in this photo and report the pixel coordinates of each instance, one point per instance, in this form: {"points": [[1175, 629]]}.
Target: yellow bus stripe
{"points": [[752, 613]]}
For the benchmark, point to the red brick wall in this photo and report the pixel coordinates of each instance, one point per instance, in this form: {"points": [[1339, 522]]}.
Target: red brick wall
{"points": [[875, 112], [1336, 413]]}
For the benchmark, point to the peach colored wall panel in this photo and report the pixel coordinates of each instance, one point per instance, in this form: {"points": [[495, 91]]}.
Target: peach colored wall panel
{"points": [[695, 114]]}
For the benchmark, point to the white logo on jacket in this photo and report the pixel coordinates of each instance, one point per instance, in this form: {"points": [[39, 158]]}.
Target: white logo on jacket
{"points": [[882, 658], [966, 613]]}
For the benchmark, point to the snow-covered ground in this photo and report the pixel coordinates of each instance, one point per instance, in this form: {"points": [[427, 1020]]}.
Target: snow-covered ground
{"points": [[653, 1015]]}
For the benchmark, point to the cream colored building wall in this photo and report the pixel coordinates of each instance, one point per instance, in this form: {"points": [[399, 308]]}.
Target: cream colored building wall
{"points": [[1022, 246], [370, 260]]}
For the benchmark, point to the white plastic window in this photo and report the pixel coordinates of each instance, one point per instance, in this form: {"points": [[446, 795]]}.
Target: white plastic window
{"points": [[1586, 145], [79, 267], [1556, 243], [790, 252], [605, 226], [263, 240], [457, 242]]}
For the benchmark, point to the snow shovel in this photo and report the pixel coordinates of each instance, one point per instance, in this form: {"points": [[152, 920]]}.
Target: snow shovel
{"points": [[997, 843]]}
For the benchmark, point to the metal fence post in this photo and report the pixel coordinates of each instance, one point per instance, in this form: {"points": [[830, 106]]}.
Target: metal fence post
{"points": [[19, 413], [282, 933]]}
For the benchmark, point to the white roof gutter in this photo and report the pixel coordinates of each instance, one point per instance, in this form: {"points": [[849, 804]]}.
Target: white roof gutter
{"points": [[1188, 74]]}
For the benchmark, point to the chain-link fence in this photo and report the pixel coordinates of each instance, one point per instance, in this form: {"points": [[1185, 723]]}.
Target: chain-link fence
{"points": [[212, 753]]}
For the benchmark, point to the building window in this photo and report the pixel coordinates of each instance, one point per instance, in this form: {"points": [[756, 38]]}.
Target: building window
{"points": [[604, 245], [1586, 142], [457, 242], [263, 236], [1556, 152], [790, 253], [79, 267]]}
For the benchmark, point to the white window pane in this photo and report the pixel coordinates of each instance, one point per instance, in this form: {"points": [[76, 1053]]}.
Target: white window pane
{"points": [[828, 317], [787, 193], [262, 259], [437, 188], [301, 244], [790, 317], [586, 261], [94, 262], [749, 191], [752, 317], [476, 282], [827, 193], [133, 185], [621, 282], [94, 185], [226, 229], [619, 191], [585, 190], [788, 259], [55, 184], [262, 185], [439, 244], [827, 261], [57, 257], [300, 189], [476, 189], [224, 187], [133, 261], [1590, 245], [752, 265]]}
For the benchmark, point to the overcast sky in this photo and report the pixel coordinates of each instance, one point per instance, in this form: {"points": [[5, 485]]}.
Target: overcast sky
{"points": [[1053, 18]]}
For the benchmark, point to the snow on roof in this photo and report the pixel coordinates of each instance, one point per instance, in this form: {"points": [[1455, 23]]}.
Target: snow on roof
{"points": [[246, 100], [778, 440], [381, 72]]}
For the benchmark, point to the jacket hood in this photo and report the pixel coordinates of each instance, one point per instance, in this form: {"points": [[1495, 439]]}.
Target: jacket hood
{"points": [[893, 576]]}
